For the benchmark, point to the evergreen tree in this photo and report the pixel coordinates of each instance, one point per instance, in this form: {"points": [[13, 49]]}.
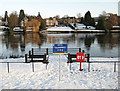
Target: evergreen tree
{"points": [[21, 16], [6, 16], [43, 25], [39, 17], [92, 23], [39, 14], [88, 20], [82, 20]]}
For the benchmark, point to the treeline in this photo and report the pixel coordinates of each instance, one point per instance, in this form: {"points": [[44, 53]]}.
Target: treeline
{"points": [[107, 21], [104, 22], [24, 21]]}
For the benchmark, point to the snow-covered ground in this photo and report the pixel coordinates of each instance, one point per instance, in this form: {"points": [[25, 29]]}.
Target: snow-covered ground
{"points": [[101, 76], [88, 30], [2, 32], [80, 28], [83, 27], [55, 28]]}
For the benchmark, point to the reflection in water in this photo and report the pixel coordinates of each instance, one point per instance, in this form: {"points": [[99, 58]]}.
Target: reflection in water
{"points": [[88, 42], [108, 40], [17, 44], [59, 38], [96, 44]]}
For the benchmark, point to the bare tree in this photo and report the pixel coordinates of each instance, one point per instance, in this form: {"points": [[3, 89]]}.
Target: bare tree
{"points": [[57, 16], [13, 19], [104, 13], [65, 16], [79, 15]]}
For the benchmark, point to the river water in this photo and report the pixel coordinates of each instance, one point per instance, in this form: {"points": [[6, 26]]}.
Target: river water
{"points": [[97, 44]]}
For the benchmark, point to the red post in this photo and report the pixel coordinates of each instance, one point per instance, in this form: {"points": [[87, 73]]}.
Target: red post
{"points": [[80, 67]]}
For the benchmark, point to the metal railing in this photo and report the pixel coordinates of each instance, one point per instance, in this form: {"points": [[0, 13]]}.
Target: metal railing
{"points": [[50, 51]]}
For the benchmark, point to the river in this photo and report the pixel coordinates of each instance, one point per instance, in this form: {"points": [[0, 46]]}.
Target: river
{"points": [[97, 44]]}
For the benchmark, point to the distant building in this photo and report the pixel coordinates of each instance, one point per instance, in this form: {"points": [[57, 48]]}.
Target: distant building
{"points": [[68, 20], [119, 8], [71, 20], [52, 21], [78, 20], [5, 22]]}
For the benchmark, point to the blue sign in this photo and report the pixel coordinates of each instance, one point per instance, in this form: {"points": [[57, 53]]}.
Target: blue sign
{"points": [[60, 49]]}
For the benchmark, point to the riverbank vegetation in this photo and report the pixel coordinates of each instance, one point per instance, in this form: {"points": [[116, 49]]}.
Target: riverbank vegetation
{"points": [[105, 21]]}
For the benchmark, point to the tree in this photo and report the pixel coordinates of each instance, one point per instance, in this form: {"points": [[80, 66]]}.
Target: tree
{"points": [[21, 16], [34, 23], [112, 21], [13, 19], [43, 25], [101, 24], [39, 14], [82, 20], [88, 20], [92, 22], [6, 16], [119, 21], [39, 17], [65, 16], [79, 15], [57, 17], [104, 13]]}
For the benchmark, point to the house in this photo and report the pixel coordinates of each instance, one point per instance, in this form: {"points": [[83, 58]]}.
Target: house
{"points": [[71, 20], [5, 22], [78, 20], [68, 20], [52, 21]]}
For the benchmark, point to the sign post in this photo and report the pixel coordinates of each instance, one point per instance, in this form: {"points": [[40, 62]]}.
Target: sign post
{"points": [[60, 49], [80, 57], [60, 67]]}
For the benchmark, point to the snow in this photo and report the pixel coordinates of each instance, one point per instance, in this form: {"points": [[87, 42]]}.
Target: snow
{"points": [[1, 32], [65, 35], [80, 28], [88, 30], [101, 76], [114, 30], [2, 27], [83, 27], [59, 29]]}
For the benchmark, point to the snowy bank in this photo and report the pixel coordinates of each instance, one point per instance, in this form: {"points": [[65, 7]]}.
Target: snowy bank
{"points": [[57, 29], [90, 31], [101, 76]]}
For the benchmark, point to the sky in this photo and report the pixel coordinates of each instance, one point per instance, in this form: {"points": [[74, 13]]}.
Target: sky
{"points": [[51, 8]]}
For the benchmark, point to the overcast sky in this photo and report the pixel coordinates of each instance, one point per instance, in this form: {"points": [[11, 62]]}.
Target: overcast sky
{"points": [[50, 8]]}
